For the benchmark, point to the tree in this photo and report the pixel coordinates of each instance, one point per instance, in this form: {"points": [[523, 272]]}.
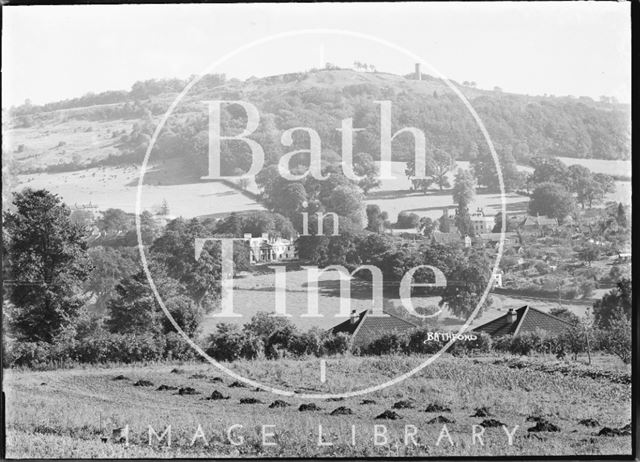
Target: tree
{"points": [[463, 195], [441, 164], [347, 202], [565, 314], [550, 170], [463, 222], [437, 170], [444, 223], [618, 337], [164, 208], [427, 226], [408, 220], [486, 173], [110, 265], [263, 324], [365, 166], [617, 298], [466, 283], [48, 261], [552, 200], [621, 216], [589, 252], [133, 307], [115, 221], [173, 254], [375, 222], [464, 189]]}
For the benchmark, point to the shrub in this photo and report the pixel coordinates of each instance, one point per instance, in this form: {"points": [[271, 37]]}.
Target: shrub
{"points": [[481, 344], [278, 343], [226, 343], [392, 343], [408, 220], [176, 347], [587, 288], [305, 344], [336, 344], [27, 354], [616, 339], [541, 267], [252, 347], [502, 343], [573, 340]]}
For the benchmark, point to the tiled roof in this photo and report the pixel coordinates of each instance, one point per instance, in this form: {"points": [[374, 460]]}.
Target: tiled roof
{"points": [[540, 221], [368, 327], [528, 319], [496, 236]]}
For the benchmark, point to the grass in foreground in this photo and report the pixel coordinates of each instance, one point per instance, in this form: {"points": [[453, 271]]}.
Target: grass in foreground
{"points": [[64, 413]]}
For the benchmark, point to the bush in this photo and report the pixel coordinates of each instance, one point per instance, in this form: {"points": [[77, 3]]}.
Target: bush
{"points": [[502, 343], [278, 343], [419, 341], [408, 220], [306, 344], [388, 344], [587, 288], [336, 344], [27, 354], [226, 343], [482, 344], [616, 339], [252, 347], [177, 348], [541, 267]]}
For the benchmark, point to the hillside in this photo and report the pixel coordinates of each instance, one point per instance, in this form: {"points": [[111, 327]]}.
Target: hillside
{"points": [[114, 127], [69, 411]]}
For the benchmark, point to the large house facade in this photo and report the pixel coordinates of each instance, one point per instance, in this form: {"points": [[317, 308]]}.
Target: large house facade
{"points": [[266, 249]]}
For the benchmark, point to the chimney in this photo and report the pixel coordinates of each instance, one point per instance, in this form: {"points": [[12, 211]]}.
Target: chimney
{"points": [[511, 316], [353, 317], [418, 72]]}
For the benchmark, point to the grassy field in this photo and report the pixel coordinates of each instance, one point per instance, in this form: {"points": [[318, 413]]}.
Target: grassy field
{"points": [[254, 292], [116, 187], [64, 413]]}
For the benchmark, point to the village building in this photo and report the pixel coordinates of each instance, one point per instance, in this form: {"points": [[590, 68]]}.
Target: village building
{"points": [[482, 223], [365, 328], [510, 239], [524, 320], [539, 224], [266, 249]]}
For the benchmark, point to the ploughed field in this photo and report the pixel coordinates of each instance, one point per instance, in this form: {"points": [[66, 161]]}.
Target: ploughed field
{"points": [[558, 408]]}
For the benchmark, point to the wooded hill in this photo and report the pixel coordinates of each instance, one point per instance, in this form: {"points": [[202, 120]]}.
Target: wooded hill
{"points": [[119, 123]]}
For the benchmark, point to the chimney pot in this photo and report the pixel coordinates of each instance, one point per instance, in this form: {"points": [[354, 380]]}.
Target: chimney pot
{"points": [[354, 317], [512, 316]]}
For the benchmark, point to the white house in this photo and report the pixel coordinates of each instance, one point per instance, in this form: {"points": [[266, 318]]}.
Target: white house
{"points": [[265, 249]]}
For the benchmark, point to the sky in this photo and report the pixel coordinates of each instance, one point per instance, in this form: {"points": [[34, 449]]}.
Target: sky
{"points": [[566, 48]]}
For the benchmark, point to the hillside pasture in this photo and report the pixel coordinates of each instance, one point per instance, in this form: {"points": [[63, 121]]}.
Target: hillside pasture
{"points": [[116, 187], [65, 413]]}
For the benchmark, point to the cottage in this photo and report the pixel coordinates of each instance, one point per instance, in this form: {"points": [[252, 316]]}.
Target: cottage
{"points": [[538, 224], [524, 320], [365, 328], [510, 239]]}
